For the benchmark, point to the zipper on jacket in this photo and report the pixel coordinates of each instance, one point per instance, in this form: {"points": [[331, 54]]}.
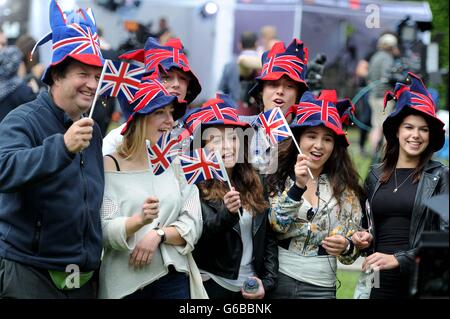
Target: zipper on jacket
{"points": [[37, 235], [85, 231]]}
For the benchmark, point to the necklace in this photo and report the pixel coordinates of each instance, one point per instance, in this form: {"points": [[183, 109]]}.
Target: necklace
{"points": [[398, 186]]}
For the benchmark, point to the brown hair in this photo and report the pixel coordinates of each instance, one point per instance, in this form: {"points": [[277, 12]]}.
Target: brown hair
{"points": [[244, 179], [341, 178], [392, 148], [134, 138]]}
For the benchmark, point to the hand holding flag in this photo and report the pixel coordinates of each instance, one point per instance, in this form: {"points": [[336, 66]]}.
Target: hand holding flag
{"points": [[276, 129]]}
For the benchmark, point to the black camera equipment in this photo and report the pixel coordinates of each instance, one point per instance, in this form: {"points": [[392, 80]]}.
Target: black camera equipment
{"points": [[314, 73], [431, 272]]}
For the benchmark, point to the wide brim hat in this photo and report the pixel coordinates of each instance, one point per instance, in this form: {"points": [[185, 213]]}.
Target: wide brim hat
{"points": [[315, 111], [280, 61], [150, 97], [74, 35], [165, 57], [219, 111], [413, 98]]}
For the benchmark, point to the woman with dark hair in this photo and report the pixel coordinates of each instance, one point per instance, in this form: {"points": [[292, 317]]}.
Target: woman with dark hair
{"points": [[236, 242], [398, 188], [314, 218]]}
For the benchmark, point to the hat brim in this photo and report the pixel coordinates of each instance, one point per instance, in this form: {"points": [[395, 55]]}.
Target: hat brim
{"points": [[274, 76], [156, 104], [194, 88], [392, 123], [197, 134], [340, 134], [89, 59]]}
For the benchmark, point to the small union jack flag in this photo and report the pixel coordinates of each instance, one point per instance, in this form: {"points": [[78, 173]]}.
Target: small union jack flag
{"points": [[201, 165], [163, 152], [121, 79], [274, 125], [148, 91], [217, 109]]}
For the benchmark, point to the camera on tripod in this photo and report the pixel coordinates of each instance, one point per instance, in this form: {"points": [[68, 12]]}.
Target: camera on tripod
{"points": [[314, 73]]}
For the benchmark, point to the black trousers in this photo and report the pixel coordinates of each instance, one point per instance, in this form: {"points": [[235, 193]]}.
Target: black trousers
{"points": [[20, 281]]}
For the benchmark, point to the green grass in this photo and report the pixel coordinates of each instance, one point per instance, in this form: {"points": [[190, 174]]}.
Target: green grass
{"points": [[348, 279]]}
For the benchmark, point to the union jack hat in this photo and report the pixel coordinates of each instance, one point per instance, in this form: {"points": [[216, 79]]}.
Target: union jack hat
{"points": [[290, 61], [413, 98], [167, 56], [152, 96], [74, 34], [312, 111], [218, 111]]}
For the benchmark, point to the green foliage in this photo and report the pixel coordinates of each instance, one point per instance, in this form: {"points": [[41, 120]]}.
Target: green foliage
{"points": [[439, 10]]}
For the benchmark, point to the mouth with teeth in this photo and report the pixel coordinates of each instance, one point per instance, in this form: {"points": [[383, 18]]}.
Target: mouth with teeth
{"points": [[278, 102], [228, 158], [87, 95], [316, 156], [414, 145]]}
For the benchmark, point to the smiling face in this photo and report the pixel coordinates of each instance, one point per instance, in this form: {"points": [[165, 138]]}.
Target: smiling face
{"points": [[413, 136], [281, 93], [159, 122], [176, 82], [225, 140], [74, 91], [318, 143]]}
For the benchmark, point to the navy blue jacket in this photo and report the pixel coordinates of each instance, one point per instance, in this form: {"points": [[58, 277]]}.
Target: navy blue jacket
{"points": [[50, 199]]}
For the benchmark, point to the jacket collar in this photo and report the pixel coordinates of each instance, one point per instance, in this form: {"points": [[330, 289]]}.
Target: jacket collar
{"points": [[60, 114]]}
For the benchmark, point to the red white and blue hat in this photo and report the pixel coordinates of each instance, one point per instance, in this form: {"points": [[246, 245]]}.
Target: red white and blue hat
{"points": [[312, 111], [150, 97], [413, 98], [167, 56], [218, 111], [290, 61], [74, 34]]}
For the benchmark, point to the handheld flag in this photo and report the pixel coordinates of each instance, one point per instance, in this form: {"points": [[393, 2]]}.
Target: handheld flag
{"points": [[274, 125], [121, 79], [200, 165], [162, 153]]}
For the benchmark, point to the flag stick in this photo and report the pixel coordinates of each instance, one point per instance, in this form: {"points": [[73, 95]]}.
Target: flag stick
{"points": [[296, 144], [98, 89], [224, 170]]}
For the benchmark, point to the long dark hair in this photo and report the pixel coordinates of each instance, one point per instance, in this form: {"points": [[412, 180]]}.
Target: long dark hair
{"points": [[244, 179], [340, 178], [392, 148]]}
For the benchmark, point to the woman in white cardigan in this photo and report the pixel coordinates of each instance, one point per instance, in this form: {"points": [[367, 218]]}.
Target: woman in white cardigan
{"points": [[150, 222]]}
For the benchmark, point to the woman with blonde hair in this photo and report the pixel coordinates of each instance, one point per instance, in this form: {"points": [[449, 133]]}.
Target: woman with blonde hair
{"points": [[150, 222]]}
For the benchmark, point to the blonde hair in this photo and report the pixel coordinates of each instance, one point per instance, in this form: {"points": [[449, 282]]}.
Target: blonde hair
{"points": [[134, 138]]}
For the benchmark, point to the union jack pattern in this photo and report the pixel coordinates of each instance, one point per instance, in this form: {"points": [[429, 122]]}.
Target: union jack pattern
{"points": [[274, 125], [289, 64], [319, 110], [200, 165], [121, 79], [162, 153], [81, 41], [171, 52], [148, 91], [210, 112]]}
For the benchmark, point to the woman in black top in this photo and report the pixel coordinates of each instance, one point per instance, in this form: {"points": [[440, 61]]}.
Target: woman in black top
{"points": [[398, 188]]}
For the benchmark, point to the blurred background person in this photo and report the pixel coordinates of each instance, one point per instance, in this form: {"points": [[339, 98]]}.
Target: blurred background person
{"points": [[268, 37], [239, 75], [380, 67], [13, 90], [31, 70]]}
